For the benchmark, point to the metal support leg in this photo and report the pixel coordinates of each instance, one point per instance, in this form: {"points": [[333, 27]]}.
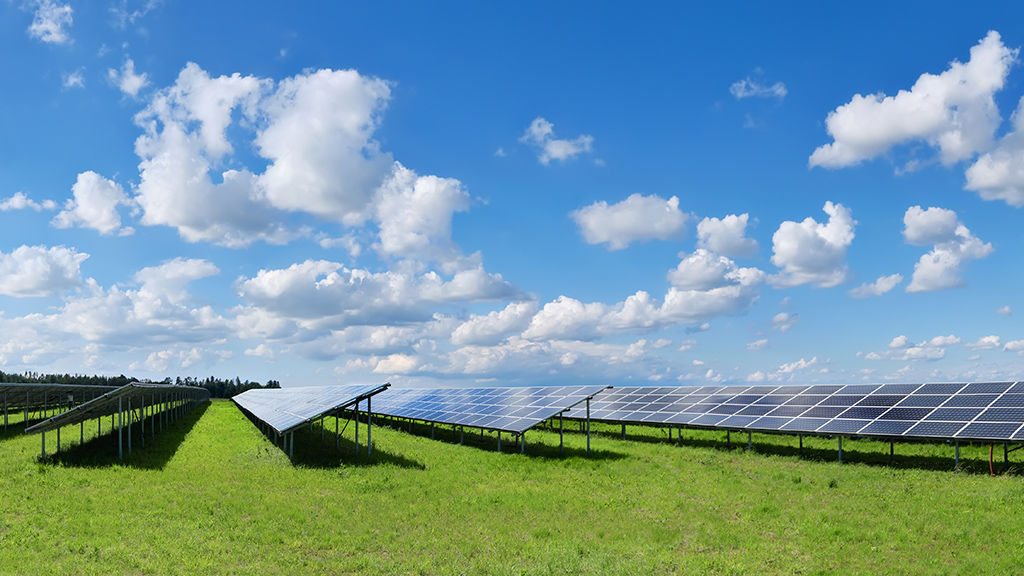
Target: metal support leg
{"points": [[522, 442], [369, 427], [129, 427], [291, 444], [58, 440], [801, 444], [81, 432], [499, 440], [750, 441], [623, 431], [337, 437], [728, 439], [840, 449], [892, 451], [561, 445], [588, 425], [120, 420], [957, 468]]}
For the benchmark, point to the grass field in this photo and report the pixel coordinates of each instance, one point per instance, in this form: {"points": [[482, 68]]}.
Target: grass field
{"points": [[212, 495]]}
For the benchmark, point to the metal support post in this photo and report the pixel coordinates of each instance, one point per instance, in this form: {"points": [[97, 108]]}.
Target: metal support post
{"points": [[561, 446], [750, 441], [840, 449], [801, 444], [152, 415], [291, 444], [957, 468], [129, 426], [588, 425], [120, 418], [357, 427], [369, 427], [728, 440], [81, 432], [337, 437], [892, 451], [522, 442], [142, 421], [624, 432], [499, 440], [5, 409]]}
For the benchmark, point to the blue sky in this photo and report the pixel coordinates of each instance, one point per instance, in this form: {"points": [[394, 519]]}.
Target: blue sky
{"points": [[458, 194]]}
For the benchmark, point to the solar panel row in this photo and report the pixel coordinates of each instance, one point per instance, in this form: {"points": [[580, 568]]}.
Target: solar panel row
{"points": [[956, 411], [504, 409], [285, 409]]}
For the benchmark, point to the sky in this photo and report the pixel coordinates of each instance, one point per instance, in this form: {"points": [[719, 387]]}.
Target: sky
{"points": [[529, 193]]}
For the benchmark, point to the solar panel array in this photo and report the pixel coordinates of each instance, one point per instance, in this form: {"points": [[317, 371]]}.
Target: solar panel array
{"points": [[37, 395], [137, 395], [961, 411], [506, 409], [285, 409]]}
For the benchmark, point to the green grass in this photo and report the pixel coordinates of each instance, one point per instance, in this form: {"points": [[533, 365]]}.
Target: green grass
{"points": [[212, 495]]}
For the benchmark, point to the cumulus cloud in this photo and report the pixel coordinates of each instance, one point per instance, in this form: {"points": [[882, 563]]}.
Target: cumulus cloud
{"points": [[726, 236], [784, 321], [541, 134], [50, 21], [809, 252], [318, 294], [415, 215], [30, 271], [733, 291], [953, 247], [901, 348], [1015, 346], [94, 205], [758, 344], [635, 219], [1004, 311], [953, 112], [878, 287], [73, 79], [752, 88], [21, 201], [495, 326], [126, 79], [985, 343], [997, 174]]}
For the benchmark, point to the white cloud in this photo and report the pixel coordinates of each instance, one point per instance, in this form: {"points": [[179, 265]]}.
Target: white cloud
{"points": [[73, 79], [635, 219], [726, 236], [758, 376], [94, 205], [415, 215], [986, 343], [30, 271], [1015, 346], [997, 174], [702, 270], [127, 80], [901, 349], [797, 366], [541, 134], [749, 87], [900, 341], [687, 345], [954, 112], [784, 321], [954, 246], [733, 292], [1004, 311], [20, 201], [318, 139], [699, 328], [878, 287], [809, 252], [123, 15], [322, 295], [758, 344], [49, 22], [495, 326]]}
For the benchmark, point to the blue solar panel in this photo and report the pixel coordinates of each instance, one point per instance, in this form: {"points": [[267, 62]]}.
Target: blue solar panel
{"points": [[285, 409]]}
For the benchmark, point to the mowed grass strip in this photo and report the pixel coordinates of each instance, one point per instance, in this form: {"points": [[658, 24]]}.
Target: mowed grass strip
{"points": [[212, 495]]}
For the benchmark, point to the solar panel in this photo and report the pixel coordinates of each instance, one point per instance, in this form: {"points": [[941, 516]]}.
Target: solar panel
{"points": [[285, 409], [954, 411], [508, 409]]}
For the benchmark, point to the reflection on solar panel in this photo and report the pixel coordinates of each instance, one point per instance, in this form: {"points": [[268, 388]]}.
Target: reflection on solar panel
{"points": [[44, 398], [983, 411], [285, 409], [504, 409], [160, 403]]}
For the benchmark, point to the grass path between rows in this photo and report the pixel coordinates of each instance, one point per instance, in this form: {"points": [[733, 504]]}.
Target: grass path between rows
{"points": [[211, 495]]}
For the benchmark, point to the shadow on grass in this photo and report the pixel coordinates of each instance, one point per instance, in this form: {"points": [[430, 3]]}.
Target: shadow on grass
{"points": [[866, 452], [488, 441], [312, 452], [101, 451]]}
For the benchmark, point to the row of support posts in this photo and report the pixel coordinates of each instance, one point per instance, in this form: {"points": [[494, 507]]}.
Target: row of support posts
{"points": [[175, 405]]}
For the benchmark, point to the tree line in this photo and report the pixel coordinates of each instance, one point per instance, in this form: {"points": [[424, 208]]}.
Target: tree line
{"points": [[218, 388]]}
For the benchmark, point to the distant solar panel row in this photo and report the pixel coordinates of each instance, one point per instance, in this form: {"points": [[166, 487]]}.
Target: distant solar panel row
{"points": [[960, 411], [505, 409]]}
